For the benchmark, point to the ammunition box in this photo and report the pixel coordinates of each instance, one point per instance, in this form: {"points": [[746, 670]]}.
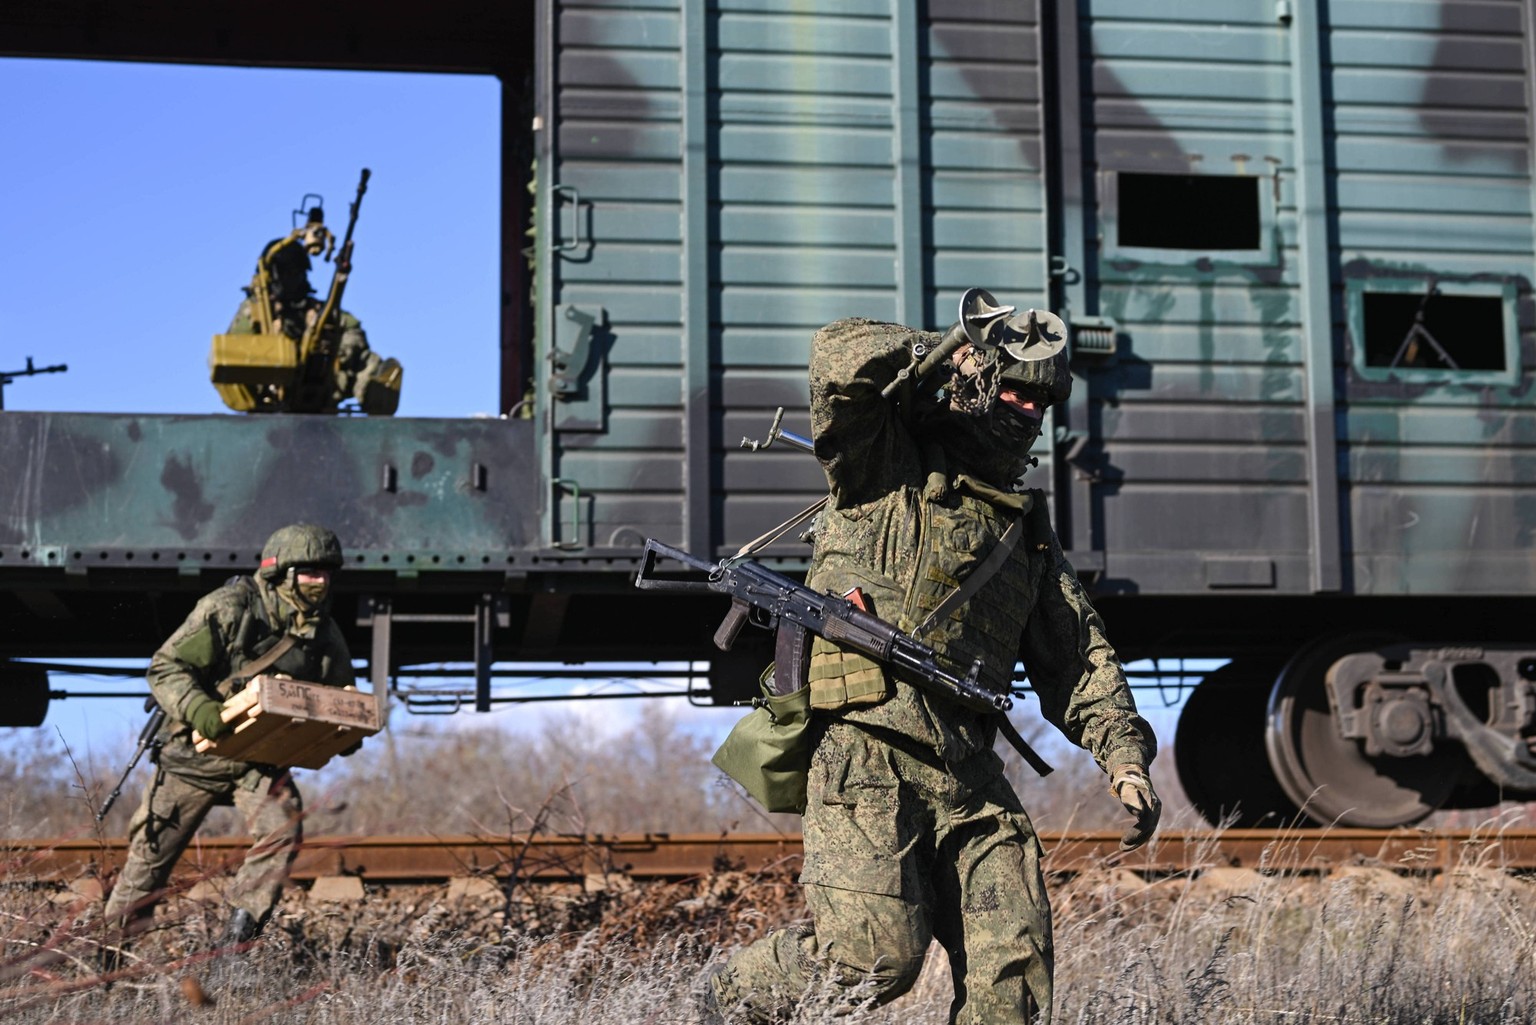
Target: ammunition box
{"points": [[286, 723]]}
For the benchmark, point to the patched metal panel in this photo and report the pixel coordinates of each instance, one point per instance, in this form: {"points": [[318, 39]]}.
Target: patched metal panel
{"points": [[91, 490], [1432, 111]]}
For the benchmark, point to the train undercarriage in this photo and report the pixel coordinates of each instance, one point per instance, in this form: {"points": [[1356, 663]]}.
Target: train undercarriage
{"points": [[1362, 729]]}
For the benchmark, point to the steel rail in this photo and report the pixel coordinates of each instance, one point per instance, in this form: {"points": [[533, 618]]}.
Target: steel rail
{"points": [[546, 859]]}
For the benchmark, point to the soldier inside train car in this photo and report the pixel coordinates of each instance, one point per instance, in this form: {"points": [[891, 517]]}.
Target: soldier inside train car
{"points": [[912, 832], [277, 620], [288, 350]]}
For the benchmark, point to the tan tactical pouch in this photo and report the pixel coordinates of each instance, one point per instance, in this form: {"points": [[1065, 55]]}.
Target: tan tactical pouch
{"points": [[841, 679], [381, 395]]}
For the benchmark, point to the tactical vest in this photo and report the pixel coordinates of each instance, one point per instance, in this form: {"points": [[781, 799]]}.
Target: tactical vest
{"points": [[256, 634], [908, 551]]}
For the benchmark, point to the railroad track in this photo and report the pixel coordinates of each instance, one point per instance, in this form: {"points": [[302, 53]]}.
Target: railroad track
{"points": [[395, 860]]}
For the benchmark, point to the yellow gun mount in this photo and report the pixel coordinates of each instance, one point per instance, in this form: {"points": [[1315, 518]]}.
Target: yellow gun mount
{"points": [[253, 371]]}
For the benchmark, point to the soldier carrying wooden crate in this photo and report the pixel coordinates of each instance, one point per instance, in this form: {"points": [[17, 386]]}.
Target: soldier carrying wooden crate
{"points": [[277, 623]]}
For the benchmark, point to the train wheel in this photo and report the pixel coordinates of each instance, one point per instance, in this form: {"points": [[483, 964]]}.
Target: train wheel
{"points": [[1218, 748], [1331, 778]]}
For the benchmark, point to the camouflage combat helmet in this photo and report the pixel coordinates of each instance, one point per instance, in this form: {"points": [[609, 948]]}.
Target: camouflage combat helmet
{"points": [[299, 544]]}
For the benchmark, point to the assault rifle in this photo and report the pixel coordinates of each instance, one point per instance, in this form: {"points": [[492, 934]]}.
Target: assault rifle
{"points": [[771, 601], [149, 740]]}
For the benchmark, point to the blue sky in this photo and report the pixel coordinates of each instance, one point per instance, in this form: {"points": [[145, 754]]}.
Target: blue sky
{"points": [[138, 196]]}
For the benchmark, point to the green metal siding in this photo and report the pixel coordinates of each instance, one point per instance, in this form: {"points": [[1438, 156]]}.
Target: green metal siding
{"points": [[1433, 123], [1202, 418], [875, 161]]}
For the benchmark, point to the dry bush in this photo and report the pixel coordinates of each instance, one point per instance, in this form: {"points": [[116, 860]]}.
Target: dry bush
{"points": [[445, 779]]}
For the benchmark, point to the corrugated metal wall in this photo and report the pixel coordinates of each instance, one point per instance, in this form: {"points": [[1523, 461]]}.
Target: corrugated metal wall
{"points": [[1201, 418], [615, 198], [1420, 129], [809, 223], [1433, 122], [872, 162], [734, 173]]}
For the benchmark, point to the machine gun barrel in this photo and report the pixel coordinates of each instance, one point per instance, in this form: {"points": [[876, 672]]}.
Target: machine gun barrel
{"points": [[10, 376], [314, 337]]}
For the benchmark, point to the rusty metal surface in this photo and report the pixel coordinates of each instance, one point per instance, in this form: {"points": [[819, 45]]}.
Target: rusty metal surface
{"points": [[402, 859]]}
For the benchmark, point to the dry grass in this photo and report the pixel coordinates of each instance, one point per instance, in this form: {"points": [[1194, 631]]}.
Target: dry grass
{"points": [[1207, 946], [1367, 946]]}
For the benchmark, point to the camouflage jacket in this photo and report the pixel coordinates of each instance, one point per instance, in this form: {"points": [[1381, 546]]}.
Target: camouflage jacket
{"points": [[907, 522], [229, 629]]}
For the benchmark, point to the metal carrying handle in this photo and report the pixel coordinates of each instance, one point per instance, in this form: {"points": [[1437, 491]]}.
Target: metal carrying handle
{"points": [[558, 483], [777, 433], [576, 239]]}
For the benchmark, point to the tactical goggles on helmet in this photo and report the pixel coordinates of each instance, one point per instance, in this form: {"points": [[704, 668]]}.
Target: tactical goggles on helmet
{"points": [[1025, 337]]}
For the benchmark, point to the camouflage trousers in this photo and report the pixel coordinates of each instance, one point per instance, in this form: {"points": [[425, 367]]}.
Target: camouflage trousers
{"points": [[168, 818], [900, 850]]}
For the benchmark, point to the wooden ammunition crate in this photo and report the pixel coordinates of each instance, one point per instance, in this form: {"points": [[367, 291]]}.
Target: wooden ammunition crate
{"points": [[286, 722]]}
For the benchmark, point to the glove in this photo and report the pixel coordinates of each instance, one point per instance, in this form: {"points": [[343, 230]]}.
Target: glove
{"points": [[1132, 788], [203, 714]]}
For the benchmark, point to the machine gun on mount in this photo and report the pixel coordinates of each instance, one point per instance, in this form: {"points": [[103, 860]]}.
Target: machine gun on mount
{"points": [[10, 376], [315, 349], [282, 354]]}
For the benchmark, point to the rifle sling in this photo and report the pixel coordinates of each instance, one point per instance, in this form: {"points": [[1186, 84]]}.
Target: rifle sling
{"points": [[929, 757], [1029, 754], [968, 587], [978, 576], [251, 670]]}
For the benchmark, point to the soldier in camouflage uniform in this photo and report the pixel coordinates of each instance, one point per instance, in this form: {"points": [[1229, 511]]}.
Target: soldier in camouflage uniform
{"points": [[190, 676], [294, 308], [911, 830]]}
